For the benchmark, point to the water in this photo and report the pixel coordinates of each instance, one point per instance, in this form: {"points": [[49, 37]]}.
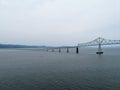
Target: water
{"points": [[39, 70]]}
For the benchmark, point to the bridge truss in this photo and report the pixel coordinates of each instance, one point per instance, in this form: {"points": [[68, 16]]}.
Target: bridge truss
{"points": [[99, 41]]}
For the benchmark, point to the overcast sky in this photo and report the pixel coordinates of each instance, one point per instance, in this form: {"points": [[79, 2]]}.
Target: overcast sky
{"points": [[58, 22]]}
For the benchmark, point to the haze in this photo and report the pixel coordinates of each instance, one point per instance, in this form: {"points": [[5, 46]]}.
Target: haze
{"points": [[58, 22]]}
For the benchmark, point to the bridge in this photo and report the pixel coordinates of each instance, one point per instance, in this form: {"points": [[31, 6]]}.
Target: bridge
{"points": [[96, 42]]}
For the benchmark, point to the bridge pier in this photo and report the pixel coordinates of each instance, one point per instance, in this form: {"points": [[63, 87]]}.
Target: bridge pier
{"points": [[67, 50], [52, 50], [99, 50], [77, 50], [59, 50]]}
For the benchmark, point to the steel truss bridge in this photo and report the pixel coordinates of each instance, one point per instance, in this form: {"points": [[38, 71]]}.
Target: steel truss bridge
{"points": [[96, 42]]}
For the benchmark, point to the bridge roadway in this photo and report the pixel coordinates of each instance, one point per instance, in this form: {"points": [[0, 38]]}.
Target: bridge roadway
{"points": [[66, 47], [96, 42]]}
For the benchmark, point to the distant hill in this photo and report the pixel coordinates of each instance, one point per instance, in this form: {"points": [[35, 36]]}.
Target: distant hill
{"points": [[19, 46]]}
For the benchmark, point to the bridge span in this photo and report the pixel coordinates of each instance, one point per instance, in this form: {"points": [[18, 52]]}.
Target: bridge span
{"points": [[96, 42]]}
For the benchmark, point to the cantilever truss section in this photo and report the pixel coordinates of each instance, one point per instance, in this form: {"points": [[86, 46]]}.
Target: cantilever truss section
{"points": [[100, 41]]}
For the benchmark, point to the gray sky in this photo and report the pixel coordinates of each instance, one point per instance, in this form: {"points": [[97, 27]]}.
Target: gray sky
{"points": [[58, 22]]}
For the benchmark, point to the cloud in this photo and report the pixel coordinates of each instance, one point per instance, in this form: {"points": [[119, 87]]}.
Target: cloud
{"points": [[23, 3], [46, 21]]}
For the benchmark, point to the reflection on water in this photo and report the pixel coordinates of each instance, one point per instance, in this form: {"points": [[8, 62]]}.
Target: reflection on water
{"points": [[40, 70]]}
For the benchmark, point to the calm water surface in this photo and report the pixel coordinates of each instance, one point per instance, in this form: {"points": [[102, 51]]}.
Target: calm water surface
{"points": [[40, 70]]}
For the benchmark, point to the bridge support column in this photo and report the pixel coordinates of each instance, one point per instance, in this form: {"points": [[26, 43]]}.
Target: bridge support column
{"points": [[59, 50], [99, 50], [52, 50], [67, 50], [77, 50]]}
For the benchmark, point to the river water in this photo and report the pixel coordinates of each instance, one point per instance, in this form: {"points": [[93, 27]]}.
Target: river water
{"points": [[32, 69]]}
